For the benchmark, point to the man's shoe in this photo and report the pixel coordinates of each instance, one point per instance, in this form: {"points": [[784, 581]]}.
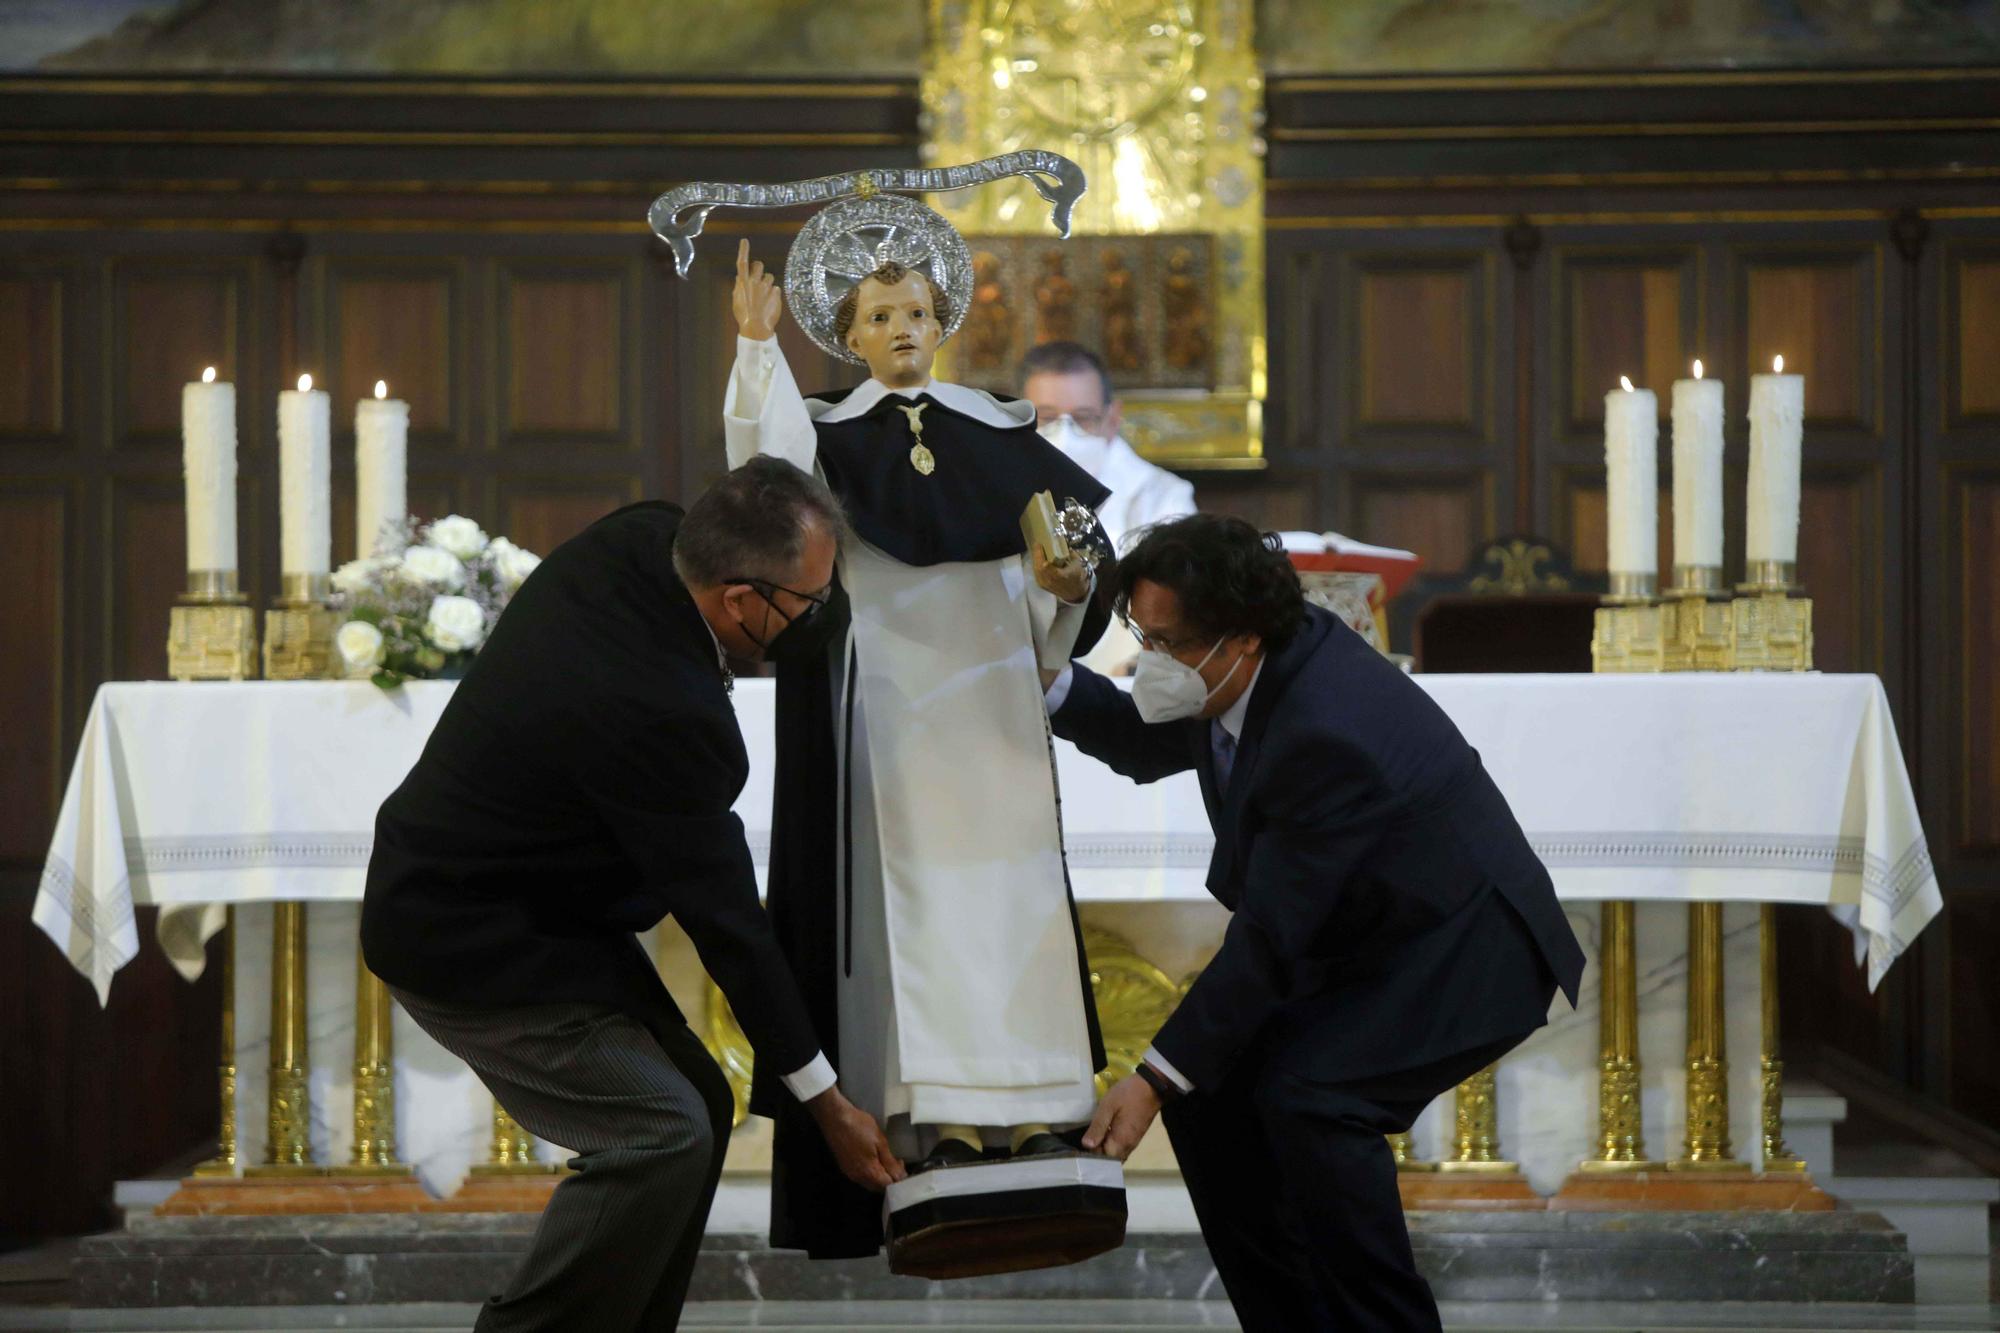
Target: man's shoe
{"points": [[949, 1152], [1044, 1144]]}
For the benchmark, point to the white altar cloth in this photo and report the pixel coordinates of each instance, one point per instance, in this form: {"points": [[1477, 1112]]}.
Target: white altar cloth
{"points": [[1743, 788]]}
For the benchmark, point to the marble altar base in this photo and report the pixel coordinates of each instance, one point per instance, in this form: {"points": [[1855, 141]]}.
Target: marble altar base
{"points": [[1705, 1191]]}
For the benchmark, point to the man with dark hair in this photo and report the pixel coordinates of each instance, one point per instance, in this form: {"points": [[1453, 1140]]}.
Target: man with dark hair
{"points": [[1392, 932], [1077, 411], [576, 790]]}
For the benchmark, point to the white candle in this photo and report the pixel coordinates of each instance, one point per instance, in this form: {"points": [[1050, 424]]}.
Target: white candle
{"points": [[305, 521], [381, 466], [1698, 471], [208, 459], [1771, 510], [1632, 479]]}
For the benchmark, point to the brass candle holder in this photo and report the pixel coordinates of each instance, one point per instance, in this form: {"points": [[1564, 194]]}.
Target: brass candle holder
{"points": [[1628, 631], [211, 630], [1771, 620], [1695, 628], [299, 628]]}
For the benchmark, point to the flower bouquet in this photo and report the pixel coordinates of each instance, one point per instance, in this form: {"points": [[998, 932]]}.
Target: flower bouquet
{"points": [[420, 607]]}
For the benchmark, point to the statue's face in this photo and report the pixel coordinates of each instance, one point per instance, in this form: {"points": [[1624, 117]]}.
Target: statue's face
{"points": [[895, 330]]}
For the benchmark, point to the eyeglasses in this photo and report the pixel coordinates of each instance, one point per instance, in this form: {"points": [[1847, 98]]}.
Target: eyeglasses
{"points": [[1156, 643], [1088, 419], [815, 602]]}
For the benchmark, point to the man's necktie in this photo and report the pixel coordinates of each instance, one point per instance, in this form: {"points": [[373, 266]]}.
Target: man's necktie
{"points": [[1223, 746]]}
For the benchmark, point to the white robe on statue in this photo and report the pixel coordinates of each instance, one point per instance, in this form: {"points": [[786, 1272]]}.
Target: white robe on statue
{"points": [[964, 1004]]}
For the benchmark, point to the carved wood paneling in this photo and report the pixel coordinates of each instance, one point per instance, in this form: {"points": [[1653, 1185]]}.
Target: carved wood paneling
{"points": [[543, 513], [35, 530], [400, 324], [1438, 517], [149, 570], [1418, 337], [1840, 563], [32, 369], [1973, 499], [1972, 365], [1974, 924], [1818, 308], [565, 354], [170, 320], [1270, 503], [1624, 313]]}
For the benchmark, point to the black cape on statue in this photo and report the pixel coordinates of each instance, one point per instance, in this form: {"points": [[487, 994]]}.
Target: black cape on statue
{"points": [[969, 509]]}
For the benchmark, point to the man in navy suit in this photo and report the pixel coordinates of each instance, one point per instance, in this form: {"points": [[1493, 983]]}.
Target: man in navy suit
{"points": [[1392, 932]]}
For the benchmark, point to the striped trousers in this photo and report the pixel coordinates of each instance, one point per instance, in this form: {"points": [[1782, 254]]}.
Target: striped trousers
{"points": [[647, 1114]]}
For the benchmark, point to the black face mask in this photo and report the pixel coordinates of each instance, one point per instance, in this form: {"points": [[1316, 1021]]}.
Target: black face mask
{"points": [[806, 634]]}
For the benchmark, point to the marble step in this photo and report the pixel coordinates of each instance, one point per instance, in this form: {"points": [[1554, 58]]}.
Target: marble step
{"points": [[378, 1259]]}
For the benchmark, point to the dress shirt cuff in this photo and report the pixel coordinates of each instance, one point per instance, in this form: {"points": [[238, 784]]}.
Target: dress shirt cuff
{"points": [[810, 1081], [1058, 692], [1159, 1062]]}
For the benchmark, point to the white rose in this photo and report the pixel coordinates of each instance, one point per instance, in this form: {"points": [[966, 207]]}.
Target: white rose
{"points": [[458, 535], [456, 624], [360, 645], [511, 563], [431, 567], [359, 575]]}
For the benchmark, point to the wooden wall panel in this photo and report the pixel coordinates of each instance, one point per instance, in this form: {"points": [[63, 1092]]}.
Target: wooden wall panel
{"points": [[1438, 517], [567, 342], [1840, 562], [541, 514], [1418, 336], [1972, 367], [1819, 311], [1273, 504], [399, 325], [171, 321], [1630, 314], [35, 529], [148, 550], [32, 369], [1975, 1081], [1974, 528]]}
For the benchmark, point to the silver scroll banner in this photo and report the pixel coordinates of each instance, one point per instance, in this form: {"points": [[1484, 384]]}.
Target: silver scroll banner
{"points": [[677, 216]]}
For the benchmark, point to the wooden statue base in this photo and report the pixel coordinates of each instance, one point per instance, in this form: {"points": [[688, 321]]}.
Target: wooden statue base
{"points": [[1004, 1217], [490, 1190], [287, 1195], [1468, 1191], [1691, 1191]]}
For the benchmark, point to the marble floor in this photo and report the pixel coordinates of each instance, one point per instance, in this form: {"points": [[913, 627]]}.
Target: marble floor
{"points": [[1054, 1316]]}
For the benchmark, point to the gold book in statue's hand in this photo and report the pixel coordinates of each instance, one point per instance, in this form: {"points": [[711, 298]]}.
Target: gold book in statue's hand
{"points": [[1038, 527]]}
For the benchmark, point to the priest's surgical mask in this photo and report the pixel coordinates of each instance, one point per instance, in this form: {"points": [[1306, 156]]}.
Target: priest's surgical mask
{"points": [[803, 634], [1086, 449], [1166, 689]]}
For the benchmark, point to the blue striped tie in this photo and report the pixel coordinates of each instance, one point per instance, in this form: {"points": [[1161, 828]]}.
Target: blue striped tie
{"points": [[1223, 746]]}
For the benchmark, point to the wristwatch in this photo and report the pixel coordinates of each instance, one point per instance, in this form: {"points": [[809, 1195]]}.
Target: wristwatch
{"points": [[1162, 1086]]}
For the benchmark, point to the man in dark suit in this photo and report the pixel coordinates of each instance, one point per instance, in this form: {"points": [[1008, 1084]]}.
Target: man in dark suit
{"points": [[1392, 931], [576, 790]]}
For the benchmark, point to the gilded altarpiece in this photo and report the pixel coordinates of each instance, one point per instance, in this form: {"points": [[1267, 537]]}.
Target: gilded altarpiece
{"points": [[1159, 101]]}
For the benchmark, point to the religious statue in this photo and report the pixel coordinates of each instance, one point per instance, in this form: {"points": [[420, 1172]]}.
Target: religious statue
{"points": [[1187, 340], [1118, 298], [1055, 302], [990, 338], [917, 878]]}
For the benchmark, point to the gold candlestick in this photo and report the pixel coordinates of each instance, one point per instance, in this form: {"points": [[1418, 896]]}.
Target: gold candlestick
{"points": [[1771, 620], [1627, 634], [1477, 1107], [1777, 1157], [1695, 631], [211, 630], [1707, 1146], [1621, 1136], [299, 629], [289, 1151], [374, 1151], [224, 1161]]}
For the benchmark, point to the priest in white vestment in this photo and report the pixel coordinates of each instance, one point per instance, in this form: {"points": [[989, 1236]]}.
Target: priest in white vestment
{"points": [[963, 1009]]}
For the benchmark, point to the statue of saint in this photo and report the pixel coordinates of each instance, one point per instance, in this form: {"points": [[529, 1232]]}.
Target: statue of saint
{"points": [[1187, 340], [990, 335], [1118, 297], [917, 876], [1055, 302]]}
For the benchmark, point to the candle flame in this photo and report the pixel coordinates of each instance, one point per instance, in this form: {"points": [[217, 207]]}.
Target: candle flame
{"points": [[305, 383], [1777, 365], [1625, 382], [381, 388], [208, 375], [1697, 367]]}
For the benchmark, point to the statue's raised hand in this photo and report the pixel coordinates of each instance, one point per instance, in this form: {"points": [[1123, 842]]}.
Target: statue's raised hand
{"points": [[758, 303]]}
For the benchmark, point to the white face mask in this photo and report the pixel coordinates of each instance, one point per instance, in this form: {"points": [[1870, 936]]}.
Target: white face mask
{"points": [[1082, 448], [1166, 689]]}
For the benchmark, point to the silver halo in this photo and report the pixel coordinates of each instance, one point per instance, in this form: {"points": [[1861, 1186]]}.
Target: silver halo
{"points": [[845, 242]]}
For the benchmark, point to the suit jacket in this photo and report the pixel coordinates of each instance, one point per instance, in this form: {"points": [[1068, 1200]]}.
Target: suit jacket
{"points": [[1387, 909], [576, 790]]}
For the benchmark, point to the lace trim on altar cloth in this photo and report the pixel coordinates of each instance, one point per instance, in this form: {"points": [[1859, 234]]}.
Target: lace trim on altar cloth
{"points": [[87, 930], [234, 851]]}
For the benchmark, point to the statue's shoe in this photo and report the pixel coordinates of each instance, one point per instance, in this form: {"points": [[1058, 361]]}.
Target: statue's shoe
{"points": [[949, 1152], [1044, 1144]]}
